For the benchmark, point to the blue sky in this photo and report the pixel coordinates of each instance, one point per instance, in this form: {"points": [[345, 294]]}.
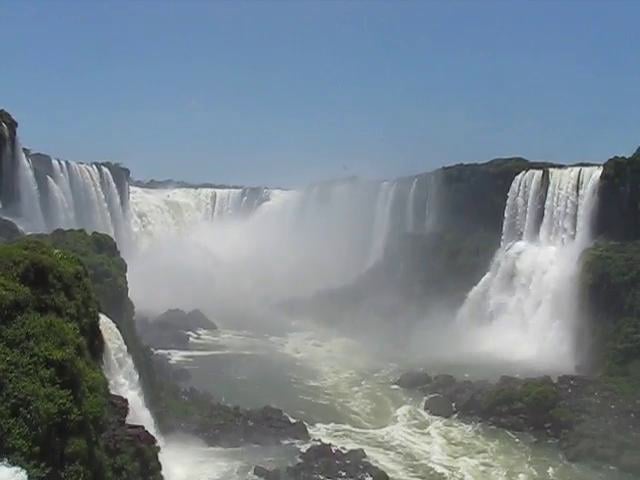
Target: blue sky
{"points": [[284, 93]]}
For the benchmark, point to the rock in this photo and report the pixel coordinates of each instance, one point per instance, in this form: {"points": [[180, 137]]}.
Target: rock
{"points": [[439, 405], [140, 434], [413, 379], [170, 330], [9, 231], [267, 474], [325, 461], [630, 462], [221, 425], [120, 407]]}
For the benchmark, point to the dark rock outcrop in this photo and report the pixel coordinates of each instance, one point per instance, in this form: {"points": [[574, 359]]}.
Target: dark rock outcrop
{"points": [[8, 144], [130, 443], [221, 425], [9, 231], [325, 461], [413, 379], [170, 330], [618, 215], [439, 405]]}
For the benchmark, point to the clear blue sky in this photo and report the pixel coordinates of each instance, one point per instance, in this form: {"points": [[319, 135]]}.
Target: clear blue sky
{"points": [[290, 92]]}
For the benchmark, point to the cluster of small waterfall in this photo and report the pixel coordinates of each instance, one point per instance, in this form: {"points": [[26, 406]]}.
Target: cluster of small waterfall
{"points": [[525, 308], [42, 193]]}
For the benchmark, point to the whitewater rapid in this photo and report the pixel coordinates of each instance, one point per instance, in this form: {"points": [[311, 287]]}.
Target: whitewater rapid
{"points": [[344, 393]]}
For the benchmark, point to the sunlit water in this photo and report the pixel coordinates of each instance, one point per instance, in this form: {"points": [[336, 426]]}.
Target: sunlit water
{"points": [[346, 396]]}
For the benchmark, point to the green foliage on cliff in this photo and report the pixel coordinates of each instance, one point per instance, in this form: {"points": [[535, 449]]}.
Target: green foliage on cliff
{"points": [[108, 275], [611, 283], [54, 397]]}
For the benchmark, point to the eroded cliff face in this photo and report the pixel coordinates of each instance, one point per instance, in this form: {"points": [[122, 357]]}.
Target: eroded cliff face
{"points": [[8, 132], [619, 197]]}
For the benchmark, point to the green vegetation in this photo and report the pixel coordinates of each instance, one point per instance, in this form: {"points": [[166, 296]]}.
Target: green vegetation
{"points": [[55, 419], [108, 275], [536, 396], [611, 285]]}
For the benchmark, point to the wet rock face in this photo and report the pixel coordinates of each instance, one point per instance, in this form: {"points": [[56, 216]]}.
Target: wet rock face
{"points": [[221, 425], [133, 445], [9, 231], [413, 379], [170, 330], [439, 405], [325, 461], [8, 131]]}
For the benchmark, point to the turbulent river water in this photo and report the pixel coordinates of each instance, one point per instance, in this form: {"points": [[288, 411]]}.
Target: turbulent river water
{"points": [[345, 393]]}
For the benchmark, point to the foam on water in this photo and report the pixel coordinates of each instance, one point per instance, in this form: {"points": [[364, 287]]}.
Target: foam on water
{"points": [[8, 472], [397, 434]]}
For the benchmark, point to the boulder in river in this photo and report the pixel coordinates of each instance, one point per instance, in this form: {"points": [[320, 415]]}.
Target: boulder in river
{"points": [[170, 330], [439, 405], [326, 461], [413, 379]]}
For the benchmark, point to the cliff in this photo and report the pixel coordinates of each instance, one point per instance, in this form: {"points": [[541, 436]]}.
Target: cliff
{"points": [[619, 197], [57, 417], [174, 409], [610, 282], [8, 136]]}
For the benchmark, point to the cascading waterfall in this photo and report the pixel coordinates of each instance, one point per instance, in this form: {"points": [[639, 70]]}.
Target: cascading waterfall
{"points": [[354, 218], [382, 221], [60, 194], [163, 211], [122, 375], [525, 308], [29, 196], [411, 206]]}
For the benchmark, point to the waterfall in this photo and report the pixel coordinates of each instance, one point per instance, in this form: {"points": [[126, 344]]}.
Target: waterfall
{"points": [[57, 194], [122, 375], [166, 211], [525, 308], [411, 206], [29, 196], [7, 472], [382, 221]]}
